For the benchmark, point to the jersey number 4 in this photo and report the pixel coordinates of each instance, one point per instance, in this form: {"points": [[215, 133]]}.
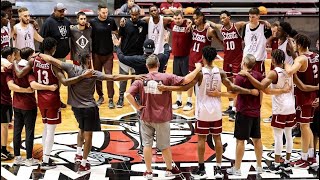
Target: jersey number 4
{"points": [[43, 77]]}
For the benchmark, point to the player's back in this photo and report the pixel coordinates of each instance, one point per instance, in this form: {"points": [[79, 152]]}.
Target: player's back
{"points": [[309, 77], [44, 74]]}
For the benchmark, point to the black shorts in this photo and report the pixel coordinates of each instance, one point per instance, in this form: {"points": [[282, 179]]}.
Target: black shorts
{"points": [[246, 127], [88, 118], [181, 65], [315, 124], [6, 113]]}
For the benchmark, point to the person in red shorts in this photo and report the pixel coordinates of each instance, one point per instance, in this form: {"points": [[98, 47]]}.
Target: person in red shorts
{"points": [[306, 67], [48, 101]]}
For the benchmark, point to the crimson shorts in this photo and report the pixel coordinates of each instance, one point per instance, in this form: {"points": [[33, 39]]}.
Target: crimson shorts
{"points": [[304, 114], [282, 121], [259, 67], [51, 116], [208, 127]]}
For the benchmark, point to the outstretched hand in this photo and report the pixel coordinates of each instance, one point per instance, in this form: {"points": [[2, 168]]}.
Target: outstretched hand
{"points": [[115, 40], [88, 73]]}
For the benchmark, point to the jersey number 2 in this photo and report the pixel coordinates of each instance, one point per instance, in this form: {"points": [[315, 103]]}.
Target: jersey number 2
{"points": [[315, 71], [43, 77]]}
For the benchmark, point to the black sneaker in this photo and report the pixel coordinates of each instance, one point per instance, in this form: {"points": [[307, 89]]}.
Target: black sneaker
{"points": [[100, 100], [188, 107], [177, 105], [275, 168], [111, 104], [232, 116], [217, 172], [47, 166], [6, 155], [286, 167], [226, 112], [120, 102], [199, 174]]}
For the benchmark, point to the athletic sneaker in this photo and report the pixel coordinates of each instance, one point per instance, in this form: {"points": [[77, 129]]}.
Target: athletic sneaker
{"points": [[217, 172], [173, 172], [84, 168], [188, 107], [6, 155], [177, 105], [259, 170], [111, 104], [100, 100], [267, 120], [232, 116], [226, 112], [47, 166], [158, 151], [312, 162], [77, 158], [301, 164], [234, 171], [199, 174], [120, 102], [275, 168], [286, 167], [148, 175], [31, 162], [18, 160]]}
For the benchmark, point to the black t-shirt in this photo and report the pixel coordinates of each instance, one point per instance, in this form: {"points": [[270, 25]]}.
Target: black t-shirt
{"points": [[101, 35], [133, 36]]}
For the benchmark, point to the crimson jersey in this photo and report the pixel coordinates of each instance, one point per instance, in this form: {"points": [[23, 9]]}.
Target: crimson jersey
{"points": [[5, 37], [5, 91], [199, 41], [309, 77], [232, 43], [43, 74]]}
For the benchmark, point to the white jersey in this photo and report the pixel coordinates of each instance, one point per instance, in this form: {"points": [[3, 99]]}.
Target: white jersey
{"points": [[283, 104], [208, 108], [156, 33], [24, 36], [255, 43], [283, 47]]}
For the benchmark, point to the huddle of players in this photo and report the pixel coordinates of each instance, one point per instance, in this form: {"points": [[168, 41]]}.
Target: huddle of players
{"points": [[201, 37]]}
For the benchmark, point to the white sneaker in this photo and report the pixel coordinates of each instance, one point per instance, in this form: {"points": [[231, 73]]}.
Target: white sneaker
{"points": [[188, 106], [267, 120], [18, 160], [259, 170], [32, 162], [177, 105], [234, 171]]}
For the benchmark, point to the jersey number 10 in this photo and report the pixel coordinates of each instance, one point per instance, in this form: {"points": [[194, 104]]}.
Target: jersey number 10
{"points": [[230, 45]]}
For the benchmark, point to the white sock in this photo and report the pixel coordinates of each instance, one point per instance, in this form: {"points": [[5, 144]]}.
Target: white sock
{"points": [[276, 164], [278, 142], [83, 162], [234, 109], [179, 97], [189, 99], [304, 156], [231, 103], [79, 151], [311, 152], [49, 141], [218, 164], [289, 139], [44, 136]]}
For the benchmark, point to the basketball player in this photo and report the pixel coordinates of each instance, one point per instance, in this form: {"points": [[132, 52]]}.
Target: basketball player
{"points": [[25, 110], [80, 36], [6, 105], [5, 32], [283, 105], [181, 41], [255, 35], [48, 101], [24, 33], [80, 97], [201, 37], [306, 66]]}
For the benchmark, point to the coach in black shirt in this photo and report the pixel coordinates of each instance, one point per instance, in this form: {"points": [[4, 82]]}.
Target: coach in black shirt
{"points": [[102, 49], [132, 34]]}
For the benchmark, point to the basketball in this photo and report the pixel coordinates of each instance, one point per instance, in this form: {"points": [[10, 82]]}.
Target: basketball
{"points": [[263, 10], [189, 11], [37, 151]]}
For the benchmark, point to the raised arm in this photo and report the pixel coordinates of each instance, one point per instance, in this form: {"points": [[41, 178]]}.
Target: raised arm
{"points": [[119, 77], [69, 81], [235, 88], [214, 25], [298, 62], [302, 86], [186, 87], [189, 77], [24, 71], [51, 60]]}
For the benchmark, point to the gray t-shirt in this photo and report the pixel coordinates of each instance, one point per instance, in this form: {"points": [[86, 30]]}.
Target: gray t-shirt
{"points": [[80, 42], [124, 9], [80, 95]]}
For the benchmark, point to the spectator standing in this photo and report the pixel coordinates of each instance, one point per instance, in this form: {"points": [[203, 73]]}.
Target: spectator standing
{"points": [[170, 7]]}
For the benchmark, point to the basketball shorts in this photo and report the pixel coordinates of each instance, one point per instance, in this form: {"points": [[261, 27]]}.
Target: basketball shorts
{"points": [[246, 127], [181, 65], [6, 113], [232, 67], [282, 121], [208, 127], [51, 116], [88, 118], [304, 114], [160, 130]]}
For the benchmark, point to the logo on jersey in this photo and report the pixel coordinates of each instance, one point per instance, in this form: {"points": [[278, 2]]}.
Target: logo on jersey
{"points": [[229, 35], [82, 41], [151, 87], [27, 36], [198, 37], [5, 38], [177, 28], [63, 30]]}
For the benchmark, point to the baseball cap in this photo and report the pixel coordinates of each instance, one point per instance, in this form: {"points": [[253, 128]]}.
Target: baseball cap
{"points": [[60, 6], [148, 46]]}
